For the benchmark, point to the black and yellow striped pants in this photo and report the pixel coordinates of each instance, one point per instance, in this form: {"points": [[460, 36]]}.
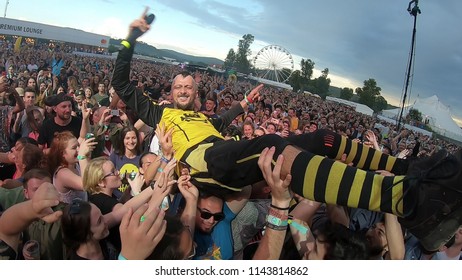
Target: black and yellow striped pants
{"points": [[229, 165]]}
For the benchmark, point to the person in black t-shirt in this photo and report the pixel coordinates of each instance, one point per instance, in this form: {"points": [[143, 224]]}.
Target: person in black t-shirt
{"points": [[62, 120]]}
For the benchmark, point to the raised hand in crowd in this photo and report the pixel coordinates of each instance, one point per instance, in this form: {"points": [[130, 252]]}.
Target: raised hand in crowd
{"points": [[140, 232], [165, 140], [191, 195], [271, 244], [140, 24], [163, 186], [136, 184], [253, 96], [371, 140], [19, 216]]}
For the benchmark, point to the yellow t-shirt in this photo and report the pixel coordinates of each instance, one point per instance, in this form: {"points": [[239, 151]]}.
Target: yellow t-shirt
{"points": [[186, 132]]}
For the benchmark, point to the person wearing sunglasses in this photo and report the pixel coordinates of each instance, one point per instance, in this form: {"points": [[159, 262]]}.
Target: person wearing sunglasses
{"points": [[213, 234], [231, 165]]}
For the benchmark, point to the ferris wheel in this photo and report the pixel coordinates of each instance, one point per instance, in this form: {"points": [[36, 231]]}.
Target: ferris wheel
{"points": [[274, 63]]}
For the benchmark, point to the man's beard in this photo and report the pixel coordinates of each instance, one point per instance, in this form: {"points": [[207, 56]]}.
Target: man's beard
{"points": [[64, 117], [204, 231], [188, 106]]}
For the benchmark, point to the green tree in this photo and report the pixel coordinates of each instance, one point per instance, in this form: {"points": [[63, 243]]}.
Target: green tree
{"points": [[322, 83], [242, 62], [380, 104], [307, 67], [296, 81], [368, 92], [414, 115], [230, 59], [369, 95], [346, 93]]}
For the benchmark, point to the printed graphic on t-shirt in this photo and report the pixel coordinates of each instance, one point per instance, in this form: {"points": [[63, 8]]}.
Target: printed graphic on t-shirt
{"points": [[125, 170]]}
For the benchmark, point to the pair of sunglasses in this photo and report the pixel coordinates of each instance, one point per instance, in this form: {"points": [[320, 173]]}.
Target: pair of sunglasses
{"points": [[207, 215]]}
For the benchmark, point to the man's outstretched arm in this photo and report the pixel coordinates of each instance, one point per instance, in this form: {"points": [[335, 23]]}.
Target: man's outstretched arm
{"points": [[147, 110]]}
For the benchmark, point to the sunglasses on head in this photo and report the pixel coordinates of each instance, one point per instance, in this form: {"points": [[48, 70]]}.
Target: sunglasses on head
{"points": [[207, 215]]}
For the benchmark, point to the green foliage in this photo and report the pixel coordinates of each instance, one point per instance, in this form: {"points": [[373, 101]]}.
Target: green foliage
{"points": [[307, 67], [230, 59], [301, 80], [346, 93], [369, 95], [242, 63], [295, 80], [414, 115], [380, 104], [321, 85]]}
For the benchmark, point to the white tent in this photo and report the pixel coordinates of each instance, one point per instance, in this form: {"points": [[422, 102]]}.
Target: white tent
{"points": [[270, 82], [435, 113], [360, 108]]}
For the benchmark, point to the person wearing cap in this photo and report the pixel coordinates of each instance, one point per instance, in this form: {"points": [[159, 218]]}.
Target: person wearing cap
{"points": [[62, 120]]}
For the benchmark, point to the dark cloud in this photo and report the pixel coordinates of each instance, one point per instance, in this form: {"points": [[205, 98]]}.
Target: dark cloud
{"points": [[355, 39]]}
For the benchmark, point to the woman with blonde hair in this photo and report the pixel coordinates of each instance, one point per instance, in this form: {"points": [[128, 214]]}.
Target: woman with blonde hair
{"points": [[100, 179]]}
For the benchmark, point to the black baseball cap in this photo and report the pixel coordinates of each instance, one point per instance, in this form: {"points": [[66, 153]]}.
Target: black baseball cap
{"points": [[54, 100]]}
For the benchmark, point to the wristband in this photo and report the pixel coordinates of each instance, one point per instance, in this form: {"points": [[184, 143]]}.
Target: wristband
{"points": [[164, 159], [79, 157], [302, 229], [247, 101], [274, 227], [274, 213], [121, 257], [125, 44], [275, 221], [279, 208]]}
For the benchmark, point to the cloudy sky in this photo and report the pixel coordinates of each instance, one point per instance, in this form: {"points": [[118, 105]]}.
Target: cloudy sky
{"points": [[356, 40]]}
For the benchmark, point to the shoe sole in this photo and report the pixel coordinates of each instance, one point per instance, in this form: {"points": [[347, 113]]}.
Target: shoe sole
{"points": [[443, 232]]}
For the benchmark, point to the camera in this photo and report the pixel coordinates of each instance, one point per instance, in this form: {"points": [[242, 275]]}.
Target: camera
{"points": [[115, 112]]}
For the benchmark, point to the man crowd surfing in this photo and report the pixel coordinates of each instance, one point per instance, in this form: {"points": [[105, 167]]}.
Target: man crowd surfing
{"points": [[124, 158]]}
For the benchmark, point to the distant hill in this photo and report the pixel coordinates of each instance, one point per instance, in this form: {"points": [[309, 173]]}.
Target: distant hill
{"points": [[334, 91], [190, 58], [148, 50]]}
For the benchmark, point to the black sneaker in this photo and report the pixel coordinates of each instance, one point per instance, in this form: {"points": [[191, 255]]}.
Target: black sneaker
{"points": [[438, 206]]}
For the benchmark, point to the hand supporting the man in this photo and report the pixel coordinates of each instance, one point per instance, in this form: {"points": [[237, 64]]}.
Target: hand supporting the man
{"points": [[140, 236]]}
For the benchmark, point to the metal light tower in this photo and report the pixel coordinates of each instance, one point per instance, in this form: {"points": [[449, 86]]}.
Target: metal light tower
{"points": [[6, 7], [414, 11]]}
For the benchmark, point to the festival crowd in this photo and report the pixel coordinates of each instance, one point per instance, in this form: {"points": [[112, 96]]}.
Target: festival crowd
{"points": [[129, 189]]}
